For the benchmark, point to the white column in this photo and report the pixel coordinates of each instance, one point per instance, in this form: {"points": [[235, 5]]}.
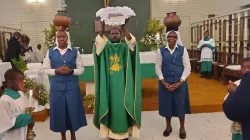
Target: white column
{"points": [[213, 28], [90, 87], [233, 34], [245, 37], [216, 32], [202, 30], [238, 32], [227, 31]]}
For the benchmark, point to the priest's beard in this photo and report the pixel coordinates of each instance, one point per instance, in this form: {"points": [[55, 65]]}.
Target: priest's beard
{"points": [[115, 40]]}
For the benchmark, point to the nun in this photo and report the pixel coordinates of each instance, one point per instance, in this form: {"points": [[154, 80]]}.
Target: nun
{"points": [[64, 64], [173, 68]]}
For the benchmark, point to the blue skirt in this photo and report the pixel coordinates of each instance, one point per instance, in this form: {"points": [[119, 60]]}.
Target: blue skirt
{"points": [[174, 104], [66, 110]]}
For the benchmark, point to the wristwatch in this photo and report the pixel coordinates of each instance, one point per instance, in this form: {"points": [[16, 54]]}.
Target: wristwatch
{"points": [[72, 71]]}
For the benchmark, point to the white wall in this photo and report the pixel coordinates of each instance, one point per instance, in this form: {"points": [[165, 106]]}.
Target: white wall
{"points": [[32, 18], [193, 10]]}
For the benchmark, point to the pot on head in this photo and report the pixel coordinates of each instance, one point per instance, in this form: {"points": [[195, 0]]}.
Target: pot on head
{"points": [[172, 20], [61, 20]]}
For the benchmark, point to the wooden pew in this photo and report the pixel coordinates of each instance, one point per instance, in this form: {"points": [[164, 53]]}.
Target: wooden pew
{"points": [[232, 71], [221, 61]]}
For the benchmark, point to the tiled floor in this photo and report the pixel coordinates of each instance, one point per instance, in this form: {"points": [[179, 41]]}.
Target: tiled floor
{"points": [[207, 126]]}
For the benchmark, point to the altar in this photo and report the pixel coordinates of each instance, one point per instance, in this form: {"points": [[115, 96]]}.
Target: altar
{"points": [[147, 60]]}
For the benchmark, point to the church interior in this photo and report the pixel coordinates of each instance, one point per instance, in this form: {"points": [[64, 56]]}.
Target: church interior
{"points": [[228, 24]]}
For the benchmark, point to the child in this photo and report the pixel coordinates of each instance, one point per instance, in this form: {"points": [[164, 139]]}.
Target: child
{"points": [[64, 63], [14, 121], [236, 126]]}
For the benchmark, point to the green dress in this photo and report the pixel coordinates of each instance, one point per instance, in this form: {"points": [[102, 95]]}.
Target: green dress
{"points": [[118, 88]]}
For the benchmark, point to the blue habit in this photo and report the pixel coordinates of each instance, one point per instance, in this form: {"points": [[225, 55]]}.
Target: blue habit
{"points": [[176, 103], [237, 106], [66, 105]]}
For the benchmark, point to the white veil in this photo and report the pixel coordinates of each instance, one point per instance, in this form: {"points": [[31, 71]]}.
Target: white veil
{"points": [[68, 42]]}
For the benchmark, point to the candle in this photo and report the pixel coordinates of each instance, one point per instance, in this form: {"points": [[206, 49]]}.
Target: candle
{"points": [[157, 36], [82, 51], [30, 98]]}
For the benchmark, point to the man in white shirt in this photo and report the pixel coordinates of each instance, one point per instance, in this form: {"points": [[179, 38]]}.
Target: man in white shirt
{"points": [[38, 54], [172, 68]]}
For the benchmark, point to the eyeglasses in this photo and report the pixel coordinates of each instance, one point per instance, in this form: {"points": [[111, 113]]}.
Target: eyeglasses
{"points": [[172, 37]]}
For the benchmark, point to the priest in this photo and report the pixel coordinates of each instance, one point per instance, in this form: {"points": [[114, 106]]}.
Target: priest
{"points": [[117, 110]]}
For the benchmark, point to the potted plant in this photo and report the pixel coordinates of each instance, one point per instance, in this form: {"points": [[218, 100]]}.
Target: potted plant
{"points": [[89, 103], [154, 35], [39, 90], [50, 36], [41, 95]]}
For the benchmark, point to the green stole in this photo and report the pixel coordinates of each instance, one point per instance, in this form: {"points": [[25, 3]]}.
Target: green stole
{"points": [[117, 87]]}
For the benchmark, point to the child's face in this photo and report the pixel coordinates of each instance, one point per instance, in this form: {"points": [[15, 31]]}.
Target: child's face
{"points": [[245, 67], [20, 84]]}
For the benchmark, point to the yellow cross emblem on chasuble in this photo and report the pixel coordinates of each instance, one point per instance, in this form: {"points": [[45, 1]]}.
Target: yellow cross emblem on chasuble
{"points": [[114, 63]]}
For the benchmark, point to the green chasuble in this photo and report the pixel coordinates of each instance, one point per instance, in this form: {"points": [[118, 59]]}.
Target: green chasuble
{"points": [[118, 87]]}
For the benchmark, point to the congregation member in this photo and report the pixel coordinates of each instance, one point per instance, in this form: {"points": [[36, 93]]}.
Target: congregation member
{"points": [[14, 48], [118, 85], [64, 64], [236, 126], [26, 50], [207, 46], [38, 54], [14, 121], [173, 68], [237, 105]]}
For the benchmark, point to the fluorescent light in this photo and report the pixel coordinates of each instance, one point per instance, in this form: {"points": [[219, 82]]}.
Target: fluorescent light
{"points": [[35, 1]]}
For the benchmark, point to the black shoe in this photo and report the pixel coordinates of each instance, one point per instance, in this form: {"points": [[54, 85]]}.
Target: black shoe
{"points": [[203, 75], [209, 75], [166, 133], [182, 135]]}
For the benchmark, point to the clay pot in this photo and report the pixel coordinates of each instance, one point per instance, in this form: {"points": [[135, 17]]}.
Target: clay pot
{"points": [[172, 20], [61, 20]]}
